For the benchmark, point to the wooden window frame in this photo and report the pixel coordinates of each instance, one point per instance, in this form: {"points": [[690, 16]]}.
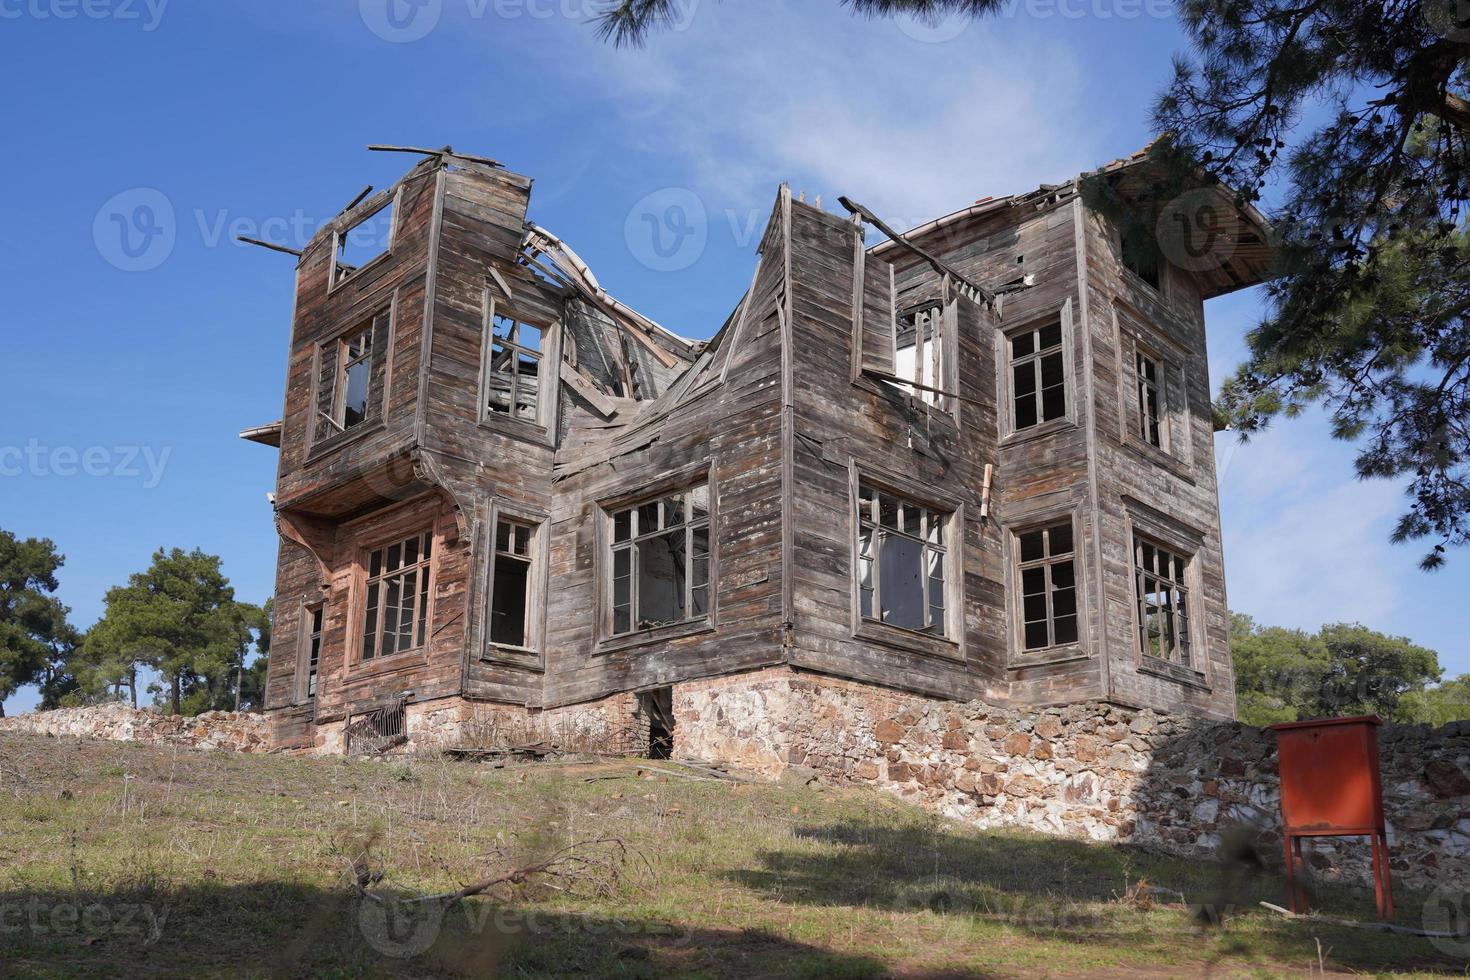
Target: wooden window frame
{"points": [[311, 633], [1007, 410], [1179, 614], [1159, 289], [537, 587], [1161, 530], [548, 358], [869, 516], [682, 481], [1047, 562], [1151, 427], [951, 647], [336, 278], [637, 536], [328, 429], [1133, 341], [423, 571], [943, 356]]}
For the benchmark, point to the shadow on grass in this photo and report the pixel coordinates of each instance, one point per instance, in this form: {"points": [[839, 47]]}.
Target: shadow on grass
{"points": [[1075, 892], [282, 929]]}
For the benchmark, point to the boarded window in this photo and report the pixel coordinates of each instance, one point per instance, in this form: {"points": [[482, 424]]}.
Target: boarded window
{"points": [[311, 650], [661, 561], [901, 570], [395, 614], [1149, 373], [510, 593], [363, 242], [1038, 375], [1163, 602], [1048, 575], [513, 369]]}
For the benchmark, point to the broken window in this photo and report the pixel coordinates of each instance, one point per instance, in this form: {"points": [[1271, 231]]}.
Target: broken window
{"points": [[1140, 257], [510, 593], [362, 243], [513, 369], [1163, 602], [1038, 375], [347, 375], [396, 611], [921, 354], [1150, 380], [901, 561], [1048, 575], [312, 647], [661, 561]]}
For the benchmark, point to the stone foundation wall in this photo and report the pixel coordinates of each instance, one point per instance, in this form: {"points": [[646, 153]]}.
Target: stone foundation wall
{"points": [[229, 730], [1094, 771], [613, 725]]}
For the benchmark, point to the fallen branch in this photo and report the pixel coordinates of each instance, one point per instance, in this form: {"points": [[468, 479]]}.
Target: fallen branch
{"points": [[597, 861], [1368, 926]]}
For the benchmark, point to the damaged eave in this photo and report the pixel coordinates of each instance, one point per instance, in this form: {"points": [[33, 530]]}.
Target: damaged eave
{"points": [[267, 435]]}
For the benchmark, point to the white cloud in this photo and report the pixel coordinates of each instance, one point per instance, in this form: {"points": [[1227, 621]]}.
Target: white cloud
{"points": [[840, 105]]}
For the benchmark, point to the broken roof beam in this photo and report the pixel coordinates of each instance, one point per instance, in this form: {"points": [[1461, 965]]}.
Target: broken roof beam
{"points": [[270, 245], [936, 263], [444, 151]]}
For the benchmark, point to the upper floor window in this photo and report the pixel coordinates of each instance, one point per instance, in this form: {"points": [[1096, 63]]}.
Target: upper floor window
{"points": [[345, 395], [355, 247], [1149, 376], [1038, 375], [1048, 574], [396, 610], [1163, 602], [511, 584], [902, 547], [661, 561], [921, 355], [513, 369], [1140, 256]]}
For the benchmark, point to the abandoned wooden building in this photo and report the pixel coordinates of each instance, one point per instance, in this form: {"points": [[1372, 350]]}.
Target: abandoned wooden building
{"points": [[973, 462]]}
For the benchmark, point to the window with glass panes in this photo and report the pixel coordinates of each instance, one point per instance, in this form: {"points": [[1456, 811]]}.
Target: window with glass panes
{"points": [[1150, 376], [354, 375], [661, 561], [397, 606], [1163, 601], [901, 561], [513, 369], [313, 644], [510, 592], [1038, 376], [1048, 573]]}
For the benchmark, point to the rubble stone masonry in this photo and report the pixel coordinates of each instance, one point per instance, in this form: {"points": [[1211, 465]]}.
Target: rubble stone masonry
{"points": [[1095, 771], [229, 730]]}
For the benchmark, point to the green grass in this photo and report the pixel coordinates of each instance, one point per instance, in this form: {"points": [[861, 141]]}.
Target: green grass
{"points": [[225, 865]]}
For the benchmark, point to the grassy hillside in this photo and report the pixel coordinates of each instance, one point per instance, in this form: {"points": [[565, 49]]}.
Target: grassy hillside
{"points": [[124, 860]]}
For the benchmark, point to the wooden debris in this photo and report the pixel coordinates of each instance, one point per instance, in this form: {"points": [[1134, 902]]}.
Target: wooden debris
{"points": [[1397, 930]]}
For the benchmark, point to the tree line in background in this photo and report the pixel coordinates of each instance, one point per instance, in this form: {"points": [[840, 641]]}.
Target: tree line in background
{"points": [[178, 618], [1341, 670]]}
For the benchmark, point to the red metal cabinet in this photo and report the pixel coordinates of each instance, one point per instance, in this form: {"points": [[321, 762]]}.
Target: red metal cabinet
{"points": [[1331, 787]]}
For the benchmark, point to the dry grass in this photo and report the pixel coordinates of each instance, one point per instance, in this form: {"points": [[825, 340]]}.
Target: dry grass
{"points": [[123, 860]]}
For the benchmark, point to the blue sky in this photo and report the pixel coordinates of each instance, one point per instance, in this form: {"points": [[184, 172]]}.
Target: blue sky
{"points": [[132, 363]]}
